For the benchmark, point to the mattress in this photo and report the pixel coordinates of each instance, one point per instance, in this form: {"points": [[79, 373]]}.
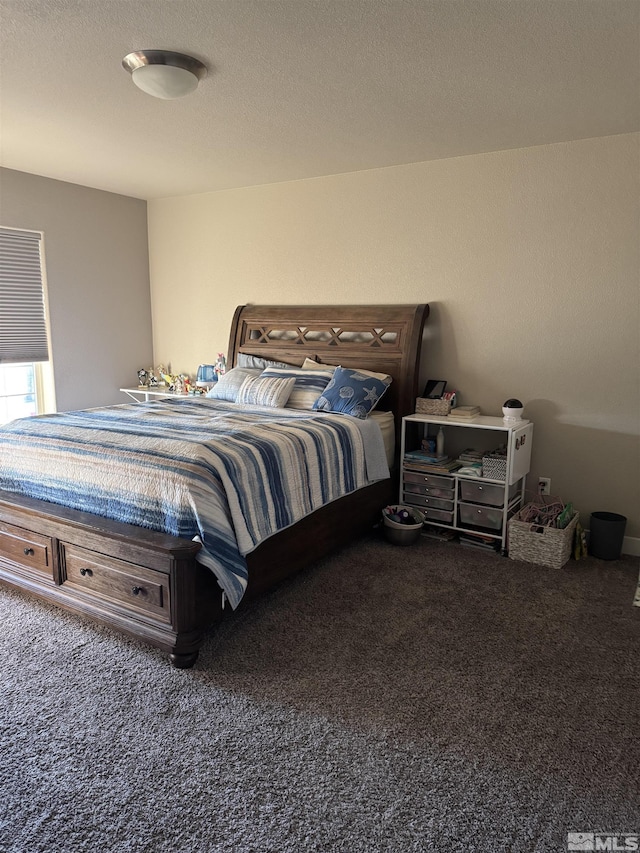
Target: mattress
{"points": [[206, 469], [386, 422]]}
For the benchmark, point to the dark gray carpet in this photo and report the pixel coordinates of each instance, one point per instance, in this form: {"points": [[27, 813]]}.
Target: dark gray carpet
{"points": [[428, 698]]}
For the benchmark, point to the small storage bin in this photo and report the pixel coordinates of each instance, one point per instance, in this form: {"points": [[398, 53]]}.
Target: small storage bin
{"points": [[481, 516], [439, 515], [545, 546], [425, 406], [484, 493], [402, 534], [413, 494], [425, 492], [494, 467], [431, 480]]}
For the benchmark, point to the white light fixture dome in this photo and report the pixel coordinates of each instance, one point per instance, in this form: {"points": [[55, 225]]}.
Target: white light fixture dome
{"points": [[164, 73]]}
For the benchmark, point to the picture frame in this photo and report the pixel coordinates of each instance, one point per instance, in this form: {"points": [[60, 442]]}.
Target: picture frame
{"points": [[434, 389]]}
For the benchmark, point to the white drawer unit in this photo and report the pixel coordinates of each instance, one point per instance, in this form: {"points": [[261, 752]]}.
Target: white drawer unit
{"points": [[468, 504]]}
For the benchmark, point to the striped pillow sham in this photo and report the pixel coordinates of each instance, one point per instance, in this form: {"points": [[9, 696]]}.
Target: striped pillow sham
{"points": [[265, 391], [309, 385]]}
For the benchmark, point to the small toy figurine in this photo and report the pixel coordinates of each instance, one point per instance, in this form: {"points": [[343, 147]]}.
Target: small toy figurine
{"points": [[221, 364]]}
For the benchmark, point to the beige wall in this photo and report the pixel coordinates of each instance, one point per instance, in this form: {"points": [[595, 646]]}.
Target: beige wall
{"points": [[529, 259], [97, 267]]}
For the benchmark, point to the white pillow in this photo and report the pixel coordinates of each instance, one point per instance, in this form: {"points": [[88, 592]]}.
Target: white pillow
{"points": [[228, 385], [309, 384], [383, 377], [265, 391], [310, 364], [246, 360]]}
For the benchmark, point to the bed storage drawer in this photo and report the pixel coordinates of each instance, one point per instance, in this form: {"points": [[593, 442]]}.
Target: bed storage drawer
{"points": [[141, 590], [31, 551]]}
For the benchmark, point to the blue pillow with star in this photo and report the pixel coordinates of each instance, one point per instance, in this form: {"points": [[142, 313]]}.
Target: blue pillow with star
{"points": [[353, 392]]}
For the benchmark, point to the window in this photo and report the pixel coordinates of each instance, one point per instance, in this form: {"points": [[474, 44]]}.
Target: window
{"points": [[18, 398], [23, 327], [24, 347]]}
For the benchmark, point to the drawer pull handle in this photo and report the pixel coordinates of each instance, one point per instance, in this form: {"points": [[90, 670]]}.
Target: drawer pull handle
{"points": [[86, 572], [29, 552], [137, 590]]}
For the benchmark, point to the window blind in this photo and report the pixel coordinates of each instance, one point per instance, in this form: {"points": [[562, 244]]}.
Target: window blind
{"points": [[23, 328]]}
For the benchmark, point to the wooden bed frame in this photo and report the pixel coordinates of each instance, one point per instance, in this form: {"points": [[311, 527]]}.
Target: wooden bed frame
{"points": [[148, 584]]}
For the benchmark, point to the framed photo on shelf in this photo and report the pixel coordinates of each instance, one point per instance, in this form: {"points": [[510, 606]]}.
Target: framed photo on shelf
{"points": [[434, 389]]}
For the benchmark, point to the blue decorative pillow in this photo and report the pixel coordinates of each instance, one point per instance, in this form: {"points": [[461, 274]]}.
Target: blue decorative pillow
{"points": [[309, 384], [352, 392]]}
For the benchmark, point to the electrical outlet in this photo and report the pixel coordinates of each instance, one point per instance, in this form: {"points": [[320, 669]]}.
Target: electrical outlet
{"points": [[544, 486]]}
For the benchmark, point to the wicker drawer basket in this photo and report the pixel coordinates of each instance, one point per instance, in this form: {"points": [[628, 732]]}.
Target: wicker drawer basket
{"points": [[545, 546], [426, 406]]}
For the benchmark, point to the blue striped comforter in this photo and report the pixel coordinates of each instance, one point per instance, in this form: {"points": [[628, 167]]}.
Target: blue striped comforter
{"points": [[194, 467]]}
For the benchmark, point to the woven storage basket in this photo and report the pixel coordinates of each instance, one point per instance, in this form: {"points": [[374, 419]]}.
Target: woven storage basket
{"points": [[545, 546], [494, 467], [425, 406]]}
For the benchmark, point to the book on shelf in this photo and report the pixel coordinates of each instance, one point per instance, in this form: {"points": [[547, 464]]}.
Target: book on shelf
{"points": [[439, 468], [464, 413], [470, 456], [425, 462], [439, 533], [424, 457], [484, 543]]}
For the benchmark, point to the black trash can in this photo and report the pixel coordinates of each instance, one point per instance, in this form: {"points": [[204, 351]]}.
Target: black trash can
{"points": [[606, 535]]}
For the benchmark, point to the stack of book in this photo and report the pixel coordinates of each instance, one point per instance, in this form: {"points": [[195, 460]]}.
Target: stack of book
{"points": [[464, 413], [439, 533], [422, 460], [471, 459], [484, 543]]}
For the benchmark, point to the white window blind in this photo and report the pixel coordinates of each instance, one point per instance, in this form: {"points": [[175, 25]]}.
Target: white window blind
{"points": [[23, 328]]}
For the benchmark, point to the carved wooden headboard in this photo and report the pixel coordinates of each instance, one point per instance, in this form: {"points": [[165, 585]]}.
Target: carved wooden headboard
{"points": [[383, 338]]}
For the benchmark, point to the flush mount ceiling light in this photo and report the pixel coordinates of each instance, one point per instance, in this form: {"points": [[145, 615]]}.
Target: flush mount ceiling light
{"points": [[164, 73]]}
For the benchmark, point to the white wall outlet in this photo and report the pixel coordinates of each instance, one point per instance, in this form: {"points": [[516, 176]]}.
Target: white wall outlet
{"points": [[544, 486]]}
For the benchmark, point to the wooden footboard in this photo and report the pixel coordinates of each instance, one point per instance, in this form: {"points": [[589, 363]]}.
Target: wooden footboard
{"points": [[143, 583], [147, 584]]}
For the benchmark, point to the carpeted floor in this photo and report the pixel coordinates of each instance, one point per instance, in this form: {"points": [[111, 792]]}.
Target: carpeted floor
{"points": [[428, 698]]}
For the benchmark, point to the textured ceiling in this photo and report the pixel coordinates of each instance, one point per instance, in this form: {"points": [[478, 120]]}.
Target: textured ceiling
{"points": [[303, 88]]}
